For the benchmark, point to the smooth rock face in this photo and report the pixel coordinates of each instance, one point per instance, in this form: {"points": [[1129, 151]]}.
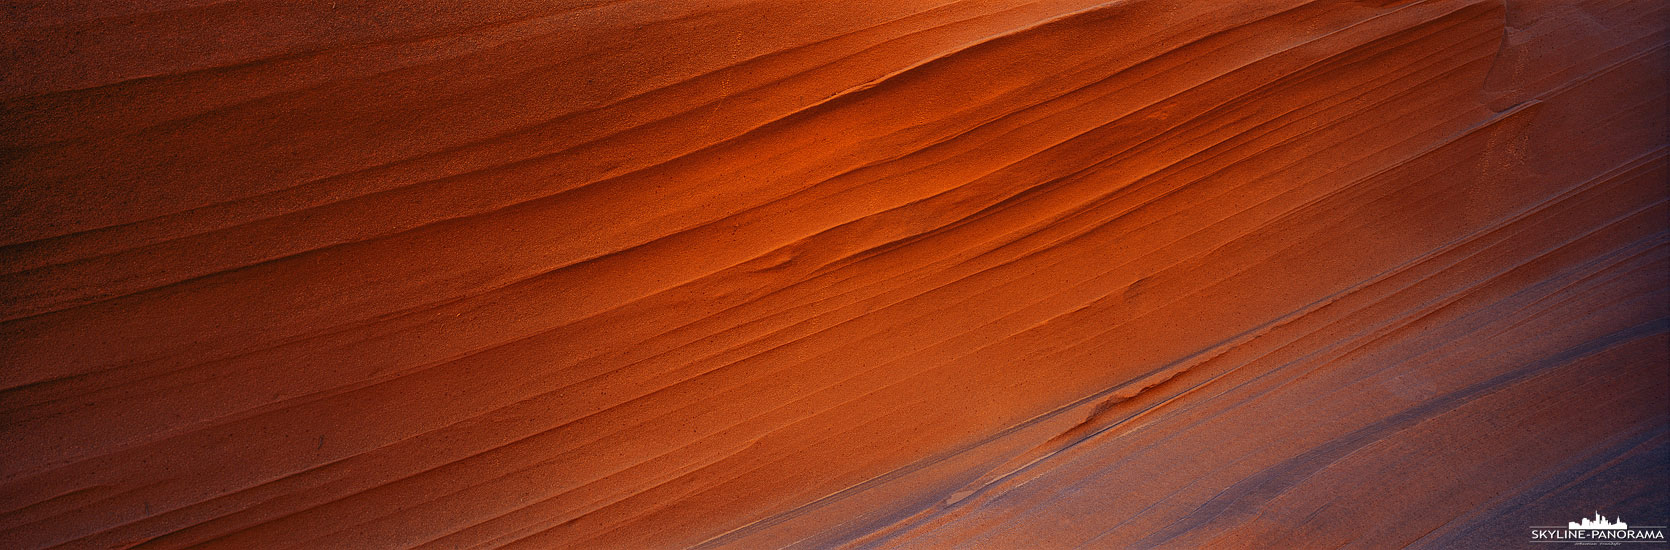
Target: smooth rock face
{"points": [[998, 274]]}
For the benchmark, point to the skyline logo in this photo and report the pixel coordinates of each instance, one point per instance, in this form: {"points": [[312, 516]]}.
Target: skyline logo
{"points": [[1599, 522], [1598, 531]]}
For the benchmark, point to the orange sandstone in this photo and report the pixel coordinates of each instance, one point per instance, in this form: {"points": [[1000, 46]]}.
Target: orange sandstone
{"points": [[805, 274]]}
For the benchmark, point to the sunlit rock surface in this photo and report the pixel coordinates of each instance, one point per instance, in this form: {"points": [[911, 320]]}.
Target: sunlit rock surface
{"points": [[811, 274]]}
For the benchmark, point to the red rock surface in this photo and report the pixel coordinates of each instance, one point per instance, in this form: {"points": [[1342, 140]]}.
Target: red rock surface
{"points": [[812, 274]]}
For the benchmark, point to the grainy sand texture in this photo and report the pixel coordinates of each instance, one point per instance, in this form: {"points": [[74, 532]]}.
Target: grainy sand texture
{"points": [[809, 274]]}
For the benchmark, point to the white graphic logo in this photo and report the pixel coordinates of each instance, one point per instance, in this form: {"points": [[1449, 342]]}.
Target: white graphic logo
{"points": [[1598, 523], [1598, 531]]}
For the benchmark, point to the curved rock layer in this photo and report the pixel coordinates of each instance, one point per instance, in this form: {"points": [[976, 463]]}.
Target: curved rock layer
{"points": [[810, 274]]}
